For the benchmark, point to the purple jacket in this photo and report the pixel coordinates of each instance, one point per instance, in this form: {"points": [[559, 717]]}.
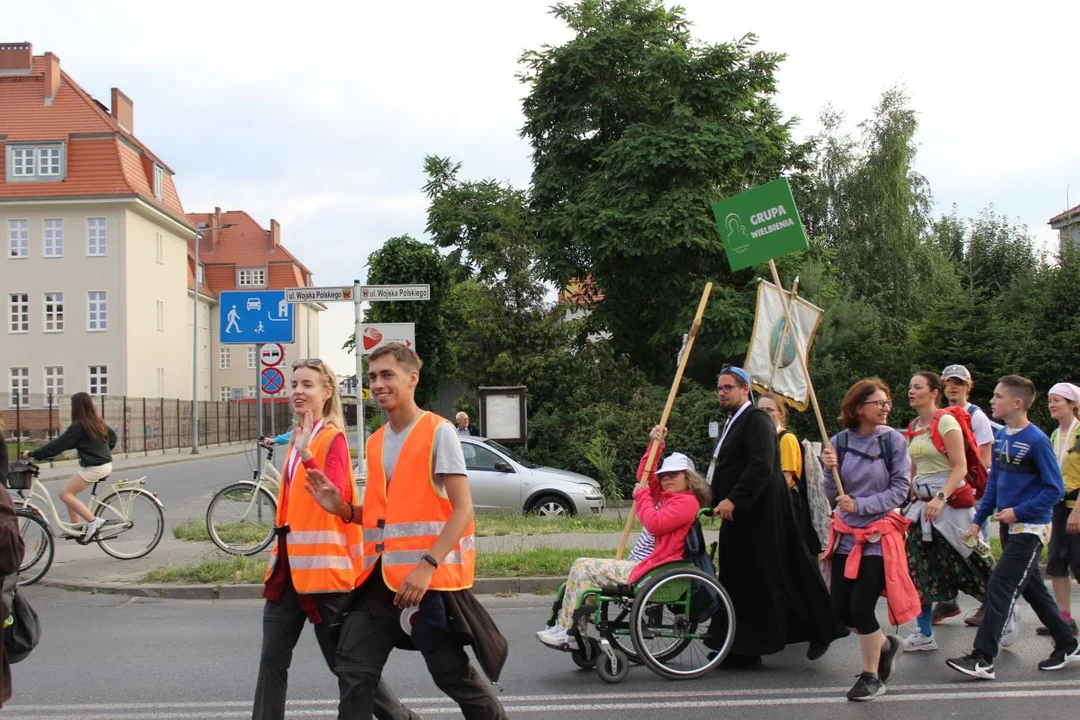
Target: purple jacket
{"points": [[876, 491]]}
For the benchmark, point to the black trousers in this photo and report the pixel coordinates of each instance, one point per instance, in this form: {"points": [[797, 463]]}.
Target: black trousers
{"points": [[855, 601], [370, 630], [1017, 575], [282, 623]]}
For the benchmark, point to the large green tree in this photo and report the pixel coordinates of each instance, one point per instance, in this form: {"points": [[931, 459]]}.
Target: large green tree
{"points": [[636, 128]]}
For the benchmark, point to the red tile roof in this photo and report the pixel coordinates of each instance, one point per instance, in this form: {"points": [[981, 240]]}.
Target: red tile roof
{"points": [[245, 244], [1067, 215], [103, 159]]}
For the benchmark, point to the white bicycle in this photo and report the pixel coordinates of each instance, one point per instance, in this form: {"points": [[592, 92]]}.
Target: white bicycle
{"points": [[134, 520], [240, 518]]}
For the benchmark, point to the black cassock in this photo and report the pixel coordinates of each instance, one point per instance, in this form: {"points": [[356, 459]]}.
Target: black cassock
{"points": [[779, 595]]}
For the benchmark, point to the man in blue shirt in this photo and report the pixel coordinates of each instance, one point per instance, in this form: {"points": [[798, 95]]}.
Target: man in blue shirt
{"points": [[1024, 485]]}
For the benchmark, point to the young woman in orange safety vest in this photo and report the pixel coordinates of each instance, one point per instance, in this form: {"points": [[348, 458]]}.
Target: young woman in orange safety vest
{"points": [[315, 560], [418, 547]]}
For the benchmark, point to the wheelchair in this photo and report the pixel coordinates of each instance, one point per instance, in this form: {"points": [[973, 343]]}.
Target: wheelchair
{"points": [[662, 621]]}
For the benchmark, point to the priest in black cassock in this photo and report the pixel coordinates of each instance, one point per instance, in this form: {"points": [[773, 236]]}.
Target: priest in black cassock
{"points": [[779, 595]]}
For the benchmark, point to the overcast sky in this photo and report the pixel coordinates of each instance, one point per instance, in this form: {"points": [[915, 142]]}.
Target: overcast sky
{"points": [[319, 115]]}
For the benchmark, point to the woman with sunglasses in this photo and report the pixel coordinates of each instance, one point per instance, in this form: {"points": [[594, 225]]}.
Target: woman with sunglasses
{"points": [[312, 569], [865, 554]]}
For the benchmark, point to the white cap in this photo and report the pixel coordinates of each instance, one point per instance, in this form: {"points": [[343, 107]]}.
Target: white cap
{"points": [[956, 371], [675, 462]]}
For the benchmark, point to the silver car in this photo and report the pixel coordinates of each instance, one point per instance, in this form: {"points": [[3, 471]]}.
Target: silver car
{"points": [[502, 481]]}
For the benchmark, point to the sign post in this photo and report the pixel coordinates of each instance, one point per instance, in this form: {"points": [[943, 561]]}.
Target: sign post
{"points": [[259, 408], [361, 465]]}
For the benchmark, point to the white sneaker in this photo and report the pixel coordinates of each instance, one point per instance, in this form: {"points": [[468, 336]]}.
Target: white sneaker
{"points": [[916, 641], [557, 637], [92, 528], [1012, 628]]}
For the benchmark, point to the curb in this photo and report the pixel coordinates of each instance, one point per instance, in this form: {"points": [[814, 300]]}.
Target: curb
{"points": [[482, 586], [55, 469]]}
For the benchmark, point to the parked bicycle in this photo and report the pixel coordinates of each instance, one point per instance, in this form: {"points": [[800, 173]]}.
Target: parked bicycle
{"points": [[240, 518], [134, 519]]}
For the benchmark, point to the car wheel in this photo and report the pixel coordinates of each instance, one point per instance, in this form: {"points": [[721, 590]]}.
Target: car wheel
{"points": [[552, 506]]}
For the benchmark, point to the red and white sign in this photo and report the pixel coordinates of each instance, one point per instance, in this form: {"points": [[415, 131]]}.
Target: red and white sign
{"points": [[373, 336], [272, 354]]}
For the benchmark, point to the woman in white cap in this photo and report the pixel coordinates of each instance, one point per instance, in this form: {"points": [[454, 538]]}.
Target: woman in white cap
{"points": [[667, 507], [1063, 554]]}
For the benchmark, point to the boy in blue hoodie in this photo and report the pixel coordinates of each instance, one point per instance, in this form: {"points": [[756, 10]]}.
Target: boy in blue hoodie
{"points": [[1024, 485]]}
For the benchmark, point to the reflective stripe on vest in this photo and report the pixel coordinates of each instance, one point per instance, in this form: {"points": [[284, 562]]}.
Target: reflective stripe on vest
{"points": [[404, 517], [325, 553]]}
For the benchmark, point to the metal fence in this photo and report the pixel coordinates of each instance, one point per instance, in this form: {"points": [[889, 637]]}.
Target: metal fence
{"points": [[142, 425]]}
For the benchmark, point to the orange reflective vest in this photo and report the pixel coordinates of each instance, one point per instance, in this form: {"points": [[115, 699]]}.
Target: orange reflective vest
{"points": [[402, 519], [324, 551]]}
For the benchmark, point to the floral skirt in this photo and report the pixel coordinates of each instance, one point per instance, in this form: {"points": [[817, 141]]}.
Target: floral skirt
{"points": [[591, 572], [940, 572]]}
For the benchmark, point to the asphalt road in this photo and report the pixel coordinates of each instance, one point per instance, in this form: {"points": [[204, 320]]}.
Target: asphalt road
{"points": [[125, 659]]}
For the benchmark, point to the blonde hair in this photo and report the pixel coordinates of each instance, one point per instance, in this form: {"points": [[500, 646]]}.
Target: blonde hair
{"points": [[331, 410]]}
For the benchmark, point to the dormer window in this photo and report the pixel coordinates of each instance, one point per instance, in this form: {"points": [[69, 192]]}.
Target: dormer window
{"points": [[30, 163], [159, 181], [251, 277]]}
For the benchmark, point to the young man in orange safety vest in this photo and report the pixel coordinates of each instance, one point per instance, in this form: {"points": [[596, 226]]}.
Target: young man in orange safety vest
{"points": [[418, 547]]}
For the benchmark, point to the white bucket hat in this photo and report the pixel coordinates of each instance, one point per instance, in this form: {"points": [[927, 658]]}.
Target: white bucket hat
{"points": [[675, 462]]}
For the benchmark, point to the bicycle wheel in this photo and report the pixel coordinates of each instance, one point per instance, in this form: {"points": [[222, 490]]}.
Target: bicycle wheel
{"points": [[134, 523], [39, 547], [241, 517]]}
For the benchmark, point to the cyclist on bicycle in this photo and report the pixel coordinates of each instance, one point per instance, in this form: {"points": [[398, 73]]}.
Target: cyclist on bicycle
{"points": [[282, 439], [93, 440]]}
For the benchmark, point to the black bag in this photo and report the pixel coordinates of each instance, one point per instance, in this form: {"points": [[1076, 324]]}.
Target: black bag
{"points": [[704, 601], [24, 632]]}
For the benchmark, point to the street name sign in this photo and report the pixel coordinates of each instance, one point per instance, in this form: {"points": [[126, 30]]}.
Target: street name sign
{"points": [[760, 224], [387, 293], [251, 317], [319, 294]]}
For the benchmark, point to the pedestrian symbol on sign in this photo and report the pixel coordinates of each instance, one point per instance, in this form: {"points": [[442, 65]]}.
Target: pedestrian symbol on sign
{"points": [[233, 317], [259, 329]]}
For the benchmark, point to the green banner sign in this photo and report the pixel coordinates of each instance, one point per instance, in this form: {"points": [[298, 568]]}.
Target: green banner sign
{"points": [[760, 224]]}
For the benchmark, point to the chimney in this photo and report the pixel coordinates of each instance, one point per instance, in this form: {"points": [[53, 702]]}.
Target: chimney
{"points": [[275, 235], [215, 225], [123, 110], [52, 77], [16, 58]]}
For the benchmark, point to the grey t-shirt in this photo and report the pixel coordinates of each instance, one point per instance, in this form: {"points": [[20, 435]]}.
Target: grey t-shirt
{"points": [[449, 460]]}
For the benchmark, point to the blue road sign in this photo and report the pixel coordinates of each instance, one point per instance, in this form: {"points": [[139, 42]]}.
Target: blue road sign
{"points": [[272, 380], [255, 316]]}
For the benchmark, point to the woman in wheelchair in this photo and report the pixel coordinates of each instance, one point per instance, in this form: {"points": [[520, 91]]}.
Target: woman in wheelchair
{"points": [[667, 507]]}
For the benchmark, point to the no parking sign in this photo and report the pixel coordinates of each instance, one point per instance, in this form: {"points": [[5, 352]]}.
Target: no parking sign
{"points": [[272, 380]]}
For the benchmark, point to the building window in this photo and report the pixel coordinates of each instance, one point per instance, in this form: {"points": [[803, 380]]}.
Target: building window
{"points": [[20, 386], [161, 315], [224, 359], [54, 237], [97, 311], [225, 394], [159, 249], [54, 384], [201, 274], [35, 162], [251, 277], [159, 181], [54, 312], [251, 358], [18, 313], [161, 382], [238, 393], [95, 237], [18, 238], [251, 391], [99, 380]]}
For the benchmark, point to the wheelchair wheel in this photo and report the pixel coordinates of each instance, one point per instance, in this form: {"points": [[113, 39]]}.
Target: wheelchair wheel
{"points": [[672, 616], [610, 670], [585, 657], [613, 617]]}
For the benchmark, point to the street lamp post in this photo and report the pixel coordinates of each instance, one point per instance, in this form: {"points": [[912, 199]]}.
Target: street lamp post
{"points": [[195, 344]]}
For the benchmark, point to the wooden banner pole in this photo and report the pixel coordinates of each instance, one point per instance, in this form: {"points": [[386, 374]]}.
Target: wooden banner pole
{"points": [[653, 446], [806, 368]]}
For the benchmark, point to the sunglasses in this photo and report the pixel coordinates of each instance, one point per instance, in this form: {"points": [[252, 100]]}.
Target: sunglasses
{"points": [[307, 362]]}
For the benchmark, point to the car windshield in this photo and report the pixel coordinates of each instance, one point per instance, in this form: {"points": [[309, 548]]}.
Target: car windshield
{"points": [[512, 455]]}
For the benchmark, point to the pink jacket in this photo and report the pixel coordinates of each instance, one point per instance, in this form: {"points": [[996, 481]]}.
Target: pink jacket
{"points": [[668, 516], [900, 592]]}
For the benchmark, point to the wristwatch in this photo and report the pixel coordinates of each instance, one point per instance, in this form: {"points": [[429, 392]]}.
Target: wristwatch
{"points": [[942, 496]]}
